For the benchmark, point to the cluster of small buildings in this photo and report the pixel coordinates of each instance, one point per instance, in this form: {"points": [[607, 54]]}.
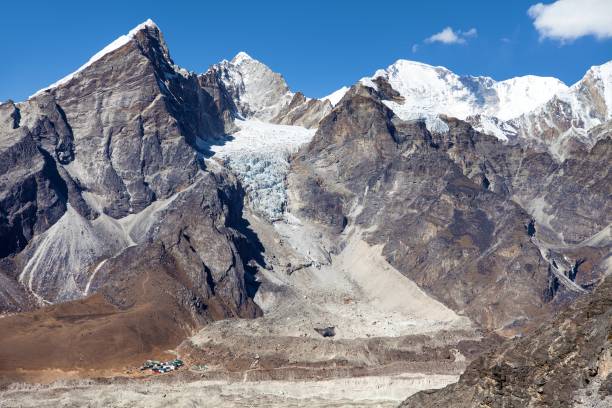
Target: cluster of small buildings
{"points": [[159, 367]]}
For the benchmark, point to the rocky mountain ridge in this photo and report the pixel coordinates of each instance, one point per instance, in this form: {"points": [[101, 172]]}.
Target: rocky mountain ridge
{"points": [[537, 111], [117, 143], [146, 198], [455, 216], [565, 363], [123, 166]]}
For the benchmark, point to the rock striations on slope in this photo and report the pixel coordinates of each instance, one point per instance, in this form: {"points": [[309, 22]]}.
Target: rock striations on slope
{"points": [[102, 171], [123, 187], [564, 363], [447, 206]]}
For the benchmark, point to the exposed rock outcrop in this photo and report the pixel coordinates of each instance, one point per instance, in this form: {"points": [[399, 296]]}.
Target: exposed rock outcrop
{"points": [[258, 92], [439, 203], [106, 164], [32, 194], [565, 363]]}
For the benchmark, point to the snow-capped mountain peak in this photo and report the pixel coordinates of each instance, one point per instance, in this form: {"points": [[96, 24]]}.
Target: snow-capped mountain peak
{"points": [[147, 23], [116, 44], [570, 114], [431, 89], [428, 89], [257, 91], [242, 57], [506, 109]]}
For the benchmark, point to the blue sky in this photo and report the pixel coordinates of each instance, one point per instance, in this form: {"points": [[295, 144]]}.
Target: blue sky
{"points": [[317, 45]]}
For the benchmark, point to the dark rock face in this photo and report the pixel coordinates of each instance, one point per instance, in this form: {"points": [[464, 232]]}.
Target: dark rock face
{"points": [[211, 82], [423, 196], [564, 363], [128, 132], [195, 235], [326, 331], [580, 189], [51, 129], [568, 200], [121, 137], [32, 194], [302, 111]]}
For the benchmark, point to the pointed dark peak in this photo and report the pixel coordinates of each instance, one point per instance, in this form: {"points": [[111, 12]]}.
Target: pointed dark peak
{"points": [[148, 40], [151, 43]]}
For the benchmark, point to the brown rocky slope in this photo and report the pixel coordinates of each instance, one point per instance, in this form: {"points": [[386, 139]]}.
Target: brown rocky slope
{"points": [[564, 363]]}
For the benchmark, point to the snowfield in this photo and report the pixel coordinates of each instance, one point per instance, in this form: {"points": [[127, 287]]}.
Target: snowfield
{"points": [[436, 90], [429, 91], [259, 156], [336, 96]]}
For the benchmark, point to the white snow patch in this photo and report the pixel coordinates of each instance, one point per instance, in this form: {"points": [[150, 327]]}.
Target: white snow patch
{"points": [[523, 94], [336, 96], [489, 126], [118, 43], [242, 57], [432, 121], [92, 276]]}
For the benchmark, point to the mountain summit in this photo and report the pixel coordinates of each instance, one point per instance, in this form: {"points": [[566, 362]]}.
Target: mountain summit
{"points": [[539, 111], [383, 239], [118, 43]]}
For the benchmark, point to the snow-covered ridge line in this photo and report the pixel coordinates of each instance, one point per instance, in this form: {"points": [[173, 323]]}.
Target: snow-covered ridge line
{"points": [[437, 90], [118, 43], [336, 96], [242, 57]]}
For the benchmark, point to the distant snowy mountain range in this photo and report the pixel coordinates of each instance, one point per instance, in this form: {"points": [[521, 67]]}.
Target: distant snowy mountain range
{"points": [[537, 110]]}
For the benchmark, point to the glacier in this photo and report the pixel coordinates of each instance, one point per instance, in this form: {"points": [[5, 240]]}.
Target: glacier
{"points": [[258, 153]]}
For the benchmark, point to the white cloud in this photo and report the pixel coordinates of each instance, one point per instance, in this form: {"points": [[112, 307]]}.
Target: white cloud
{"points": [[470, 33], [450, 36], [566, 20], [415, 48]]}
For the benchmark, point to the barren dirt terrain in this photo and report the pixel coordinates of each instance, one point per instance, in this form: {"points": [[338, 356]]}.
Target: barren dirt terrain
{"points": [[384, 348]]}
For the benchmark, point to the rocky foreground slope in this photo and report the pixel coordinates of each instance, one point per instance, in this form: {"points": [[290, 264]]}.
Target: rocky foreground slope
{"points": [[102, 172], [445, 206], [564, 363], [422, 215]]}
